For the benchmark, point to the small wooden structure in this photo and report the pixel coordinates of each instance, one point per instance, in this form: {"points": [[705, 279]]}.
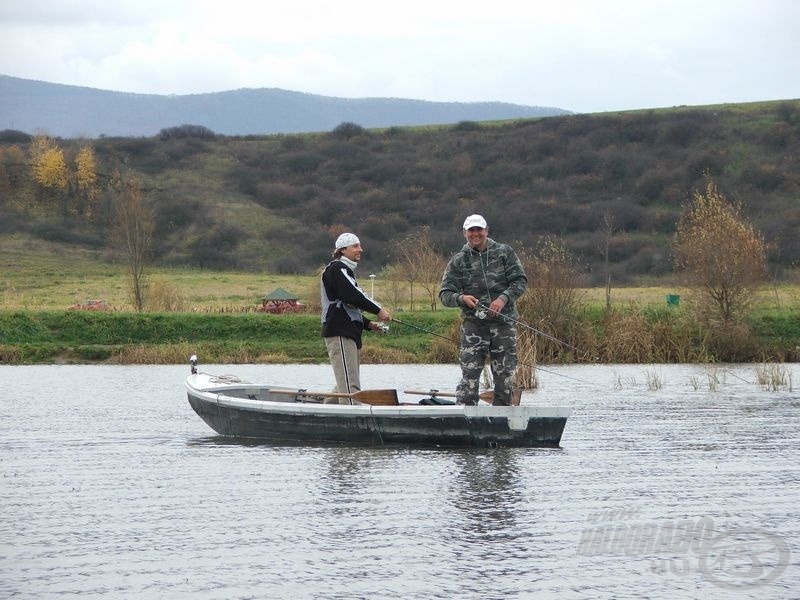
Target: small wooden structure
{"points": [[280, 301]]}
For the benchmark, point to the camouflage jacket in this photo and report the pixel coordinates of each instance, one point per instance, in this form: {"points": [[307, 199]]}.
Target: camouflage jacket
{"points": [[497, 271]]}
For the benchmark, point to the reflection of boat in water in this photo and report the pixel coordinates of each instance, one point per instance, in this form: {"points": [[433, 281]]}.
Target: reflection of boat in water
{"points": [[236, 408]]}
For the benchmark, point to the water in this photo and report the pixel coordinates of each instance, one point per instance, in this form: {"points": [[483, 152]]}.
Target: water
{"points": [[113, 488]]}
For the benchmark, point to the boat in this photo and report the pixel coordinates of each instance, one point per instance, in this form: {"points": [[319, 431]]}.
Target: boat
{"points": [[236, 408]]}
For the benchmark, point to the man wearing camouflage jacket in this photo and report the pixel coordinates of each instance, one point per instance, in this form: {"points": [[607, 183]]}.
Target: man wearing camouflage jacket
{"points": [[485, 279]]}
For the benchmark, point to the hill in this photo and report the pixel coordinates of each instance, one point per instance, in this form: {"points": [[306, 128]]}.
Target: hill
{"points": [[72, 111], [275, 203]]}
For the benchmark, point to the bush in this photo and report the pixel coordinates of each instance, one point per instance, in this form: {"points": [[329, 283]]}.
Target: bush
{"points": [[303, 162], [467, 126], [186, 131], [164, 296], [217, 248], [347, 130]]}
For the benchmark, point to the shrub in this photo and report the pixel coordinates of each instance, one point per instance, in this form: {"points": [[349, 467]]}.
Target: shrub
{"points": [[721, 255], [467, 126], [186, 131], [347, 130], [164, 296]]}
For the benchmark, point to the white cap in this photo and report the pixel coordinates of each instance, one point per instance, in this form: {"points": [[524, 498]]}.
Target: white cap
{"points": [[345, 240], [474, 221]]}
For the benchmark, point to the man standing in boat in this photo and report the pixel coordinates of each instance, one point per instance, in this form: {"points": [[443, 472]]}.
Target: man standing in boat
{"points": [[485, 279], [342, 319]]}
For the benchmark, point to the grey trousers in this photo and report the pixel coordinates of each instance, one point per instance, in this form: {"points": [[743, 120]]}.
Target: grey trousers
{"points": [[346, 364]]}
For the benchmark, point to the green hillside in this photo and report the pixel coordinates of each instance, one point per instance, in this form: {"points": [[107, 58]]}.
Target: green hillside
{"points": [[275, 203]]}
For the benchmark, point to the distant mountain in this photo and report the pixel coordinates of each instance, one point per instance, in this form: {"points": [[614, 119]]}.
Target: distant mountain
{"points": [[71, 111]]}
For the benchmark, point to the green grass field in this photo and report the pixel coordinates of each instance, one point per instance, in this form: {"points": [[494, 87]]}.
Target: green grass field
{"points": [[48, 276]]}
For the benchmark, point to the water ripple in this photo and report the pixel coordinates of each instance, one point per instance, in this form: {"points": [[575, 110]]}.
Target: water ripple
{"points": [[112, 487]]}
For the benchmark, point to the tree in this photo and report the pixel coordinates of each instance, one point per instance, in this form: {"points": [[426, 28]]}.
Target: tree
{"points": [[86, 181], [132, 234], [608, 231], [551, 303], [418, 261], [49, 168], [13, 170], [347, 130], [722, 256]]}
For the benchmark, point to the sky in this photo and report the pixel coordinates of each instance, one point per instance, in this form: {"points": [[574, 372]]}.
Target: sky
{"points": [[578, 55]]}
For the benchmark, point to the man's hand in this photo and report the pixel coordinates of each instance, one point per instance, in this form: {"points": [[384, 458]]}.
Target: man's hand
{"points": [[384, 315], [469, 301], [496, 306]]}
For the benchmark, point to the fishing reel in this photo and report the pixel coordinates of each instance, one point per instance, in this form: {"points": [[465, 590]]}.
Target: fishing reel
{"points": [[382, 327], [481, 312]]}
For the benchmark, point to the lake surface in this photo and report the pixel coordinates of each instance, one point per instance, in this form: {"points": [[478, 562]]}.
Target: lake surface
{"points": [[671, 482]]}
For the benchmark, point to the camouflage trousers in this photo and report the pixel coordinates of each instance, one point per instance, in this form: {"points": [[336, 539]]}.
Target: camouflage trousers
{"points": [[496, 341]]}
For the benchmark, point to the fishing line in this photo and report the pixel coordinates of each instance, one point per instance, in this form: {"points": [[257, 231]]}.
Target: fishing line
{"points": [[737, 377], [449, 339], [537, 331]]}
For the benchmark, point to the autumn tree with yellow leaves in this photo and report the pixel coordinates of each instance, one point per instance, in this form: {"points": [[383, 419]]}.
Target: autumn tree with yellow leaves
{"points": [[49, 169], [721, 255], [86, 189]]}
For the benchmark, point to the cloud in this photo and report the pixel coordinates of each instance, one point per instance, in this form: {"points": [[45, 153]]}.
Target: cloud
{"points": [[576, 54]]}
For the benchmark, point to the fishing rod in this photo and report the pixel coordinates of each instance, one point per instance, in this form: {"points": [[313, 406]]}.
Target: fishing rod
{"points": [[485, 309], [449, 339]]}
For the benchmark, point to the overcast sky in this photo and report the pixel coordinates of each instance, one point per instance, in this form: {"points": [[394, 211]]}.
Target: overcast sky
{"points": [[580, 55]]}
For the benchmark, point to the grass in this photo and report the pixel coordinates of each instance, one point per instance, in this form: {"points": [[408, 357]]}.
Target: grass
{"points": [[50, 276], [41, 280]]}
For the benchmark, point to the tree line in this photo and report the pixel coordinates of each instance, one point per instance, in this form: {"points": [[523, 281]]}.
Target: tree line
{"points": [[610, 187]]}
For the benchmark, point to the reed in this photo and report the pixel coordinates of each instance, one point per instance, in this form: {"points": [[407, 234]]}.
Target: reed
{"points": [[10, 355], [774, 377], [526, 377], [620, 382], [714, 378], [654, 380], [372, 354], [146, 354], [694, 381], [627, 338]]}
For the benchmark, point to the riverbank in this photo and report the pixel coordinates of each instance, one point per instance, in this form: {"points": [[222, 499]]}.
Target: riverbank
{"points": [[55, 337], [50, 337]]}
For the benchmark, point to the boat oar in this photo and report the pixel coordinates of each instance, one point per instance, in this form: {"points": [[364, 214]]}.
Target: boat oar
{"points": [[374, 397]]}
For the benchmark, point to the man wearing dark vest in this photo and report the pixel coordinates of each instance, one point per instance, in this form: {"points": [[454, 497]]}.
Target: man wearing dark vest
{"points": [[342, 319]]}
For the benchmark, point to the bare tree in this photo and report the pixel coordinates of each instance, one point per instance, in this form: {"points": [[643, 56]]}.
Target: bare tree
{"points": [[132, 234], [419, 262], [551, 302], [608, 231], [722, 256]]}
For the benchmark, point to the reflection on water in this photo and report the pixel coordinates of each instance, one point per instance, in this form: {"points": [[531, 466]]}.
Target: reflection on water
{"points": [[486, 492], [113, 487]]}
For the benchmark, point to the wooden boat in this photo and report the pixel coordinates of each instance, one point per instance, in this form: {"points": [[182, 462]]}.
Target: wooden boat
{"points": [[239, 409]]}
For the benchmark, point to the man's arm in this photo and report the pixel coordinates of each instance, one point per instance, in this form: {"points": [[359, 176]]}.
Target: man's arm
{"points": [[449, 290], [516, 278]]}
